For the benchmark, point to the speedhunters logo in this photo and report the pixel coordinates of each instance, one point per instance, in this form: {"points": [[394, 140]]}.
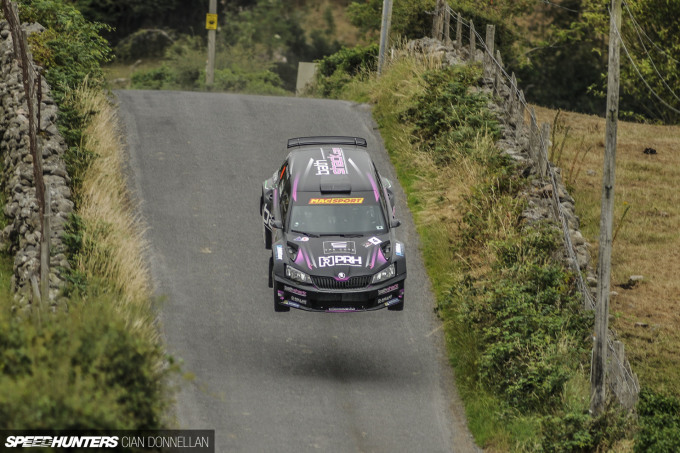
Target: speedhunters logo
{"points": [[61, 441], [132, 441]]}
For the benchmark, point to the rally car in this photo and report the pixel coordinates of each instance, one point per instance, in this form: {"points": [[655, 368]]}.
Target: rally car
{"points": [[328, 218]]}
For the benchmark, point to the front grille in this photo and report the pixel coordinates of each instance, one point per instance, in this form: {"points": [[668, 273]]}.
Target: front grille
{"points": [[352, 283]]}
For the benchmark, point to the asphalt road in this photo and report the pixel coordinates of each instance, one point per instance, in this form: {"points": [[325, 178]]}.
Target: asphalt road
{"points": [[265, 381]]}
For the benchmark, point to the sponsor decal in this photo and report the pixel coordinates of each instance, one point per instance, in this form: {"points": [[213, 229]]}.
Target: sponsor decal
{"points": [[374, 240], [266, 216], [388, 289], [339, 247], [339, 260], [291, 304], [279, 252], [341, 309], [299, 292], [322, 168], [298, 300], [384, 299], [336, 200], [301, 239], [399, 249], [337, 158]]}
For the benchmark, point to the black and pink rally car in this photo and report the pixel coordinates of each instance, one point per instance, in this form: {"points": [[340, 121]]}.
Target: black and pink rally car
{"points": [[328, 218]]}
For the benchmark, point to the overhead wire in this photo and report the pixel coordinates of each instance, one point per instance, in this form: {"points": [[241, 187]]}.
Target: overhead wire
{"points": [[639, 73], [649, 57], [667, 54], [583, 288], [588, 297]]}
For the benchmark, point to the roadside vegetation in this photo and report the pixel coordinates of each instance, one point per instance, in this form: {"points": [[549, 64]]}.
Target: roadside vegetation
{"points": [[97, 361], [258, 48], [517, 337]]}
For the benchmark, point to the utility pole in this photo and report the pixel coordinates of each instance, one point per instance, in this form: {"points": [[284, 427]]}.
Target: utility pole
{"points": [[599, 365], [384, 32], [211, 26]]}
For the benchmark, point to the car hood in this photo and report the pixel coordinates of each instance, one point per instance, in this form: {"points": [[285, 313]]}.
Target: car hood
{"points": [[339, 257]]}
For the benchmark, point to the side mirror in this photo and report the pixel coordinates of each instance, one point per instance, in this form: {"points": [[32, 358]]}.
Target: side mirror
{"points": [[277, 224], [394, 223]]}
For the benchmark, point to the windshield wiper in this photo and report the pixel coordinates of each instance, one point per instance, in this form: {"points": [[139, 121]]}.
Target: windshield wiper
{"points": [[312, 235], [343, 235]]}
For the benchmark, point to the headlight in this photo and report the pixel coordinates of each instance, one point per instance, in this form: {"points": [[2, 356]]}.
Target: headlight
{"points": [[297, 275], [384, 274]]}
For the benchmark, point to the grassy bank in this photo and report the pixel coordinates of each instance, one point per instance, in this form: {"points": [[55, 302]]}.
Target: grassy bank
{"points": [[97, 360], [99, 363], [517, 339], [647, 241]]}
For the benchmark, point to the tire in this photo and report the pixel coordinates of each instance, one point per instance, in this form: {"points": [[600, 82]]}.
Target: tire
{"points": [[271, 272]]}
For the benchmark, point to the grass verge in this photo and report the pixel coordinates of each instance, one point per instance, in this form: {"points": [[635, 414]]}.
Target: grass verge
{"points": [[516, 336], [100, 363]]}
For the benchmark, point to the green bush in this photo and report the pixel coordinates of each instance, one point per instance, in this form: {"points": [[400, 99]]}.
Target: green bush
{"points": [[529, 319], [154, 79], [659, 421], [71, 51], [447, 116], [82, 369], [260, 82], [410, 20], [336, 70]]}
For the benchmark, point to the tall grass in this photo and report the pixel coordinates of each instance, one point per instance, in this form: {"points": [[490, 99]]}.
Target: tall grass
{"points": [[113, 239], [514, 330], [100, 363]]}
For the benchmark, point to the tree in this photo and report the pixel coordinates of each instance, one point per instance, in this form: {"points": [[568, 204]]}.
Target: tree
{"points": [[650, 54]]}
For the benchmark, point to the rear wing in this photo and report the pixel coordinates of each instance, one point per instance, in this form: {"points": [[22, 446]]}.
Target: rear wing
{"points": [[327, 140]]}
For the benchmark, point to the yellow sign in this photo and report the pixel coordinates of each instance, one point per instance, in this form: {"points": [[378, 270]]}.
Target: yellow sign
{"points": [[211, 21], [336, 201]]}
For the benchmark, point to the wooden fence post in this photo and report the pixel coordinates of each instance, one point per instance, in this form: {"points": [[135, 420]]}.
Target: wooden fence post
{"points": [[438, 20], [498, 78], [45, 249], [447, 24], [473, 46], [488, 52], [598, 388], [459, 31], [533, 136], [543, 152], [519, 114]]}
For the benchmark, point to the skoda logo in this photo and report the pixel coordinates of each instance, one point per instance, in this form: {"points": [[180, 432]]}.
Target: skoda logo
{"points": [[341, 275]]}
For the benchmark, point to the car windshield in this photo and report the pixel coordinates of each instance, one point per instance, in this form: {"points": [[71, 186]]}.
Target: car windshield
{"points": [[328, 216]]}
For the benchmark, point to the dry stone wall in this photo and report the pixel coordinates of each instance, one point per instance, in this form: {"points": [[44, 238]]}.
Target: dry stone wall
{"points": [[21, 236], [515, 142], [547, 196]]}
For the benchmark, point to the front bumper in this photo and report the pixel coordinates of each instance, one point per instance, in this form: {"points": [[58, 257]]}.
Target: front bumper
{"points": [[311, 298]]}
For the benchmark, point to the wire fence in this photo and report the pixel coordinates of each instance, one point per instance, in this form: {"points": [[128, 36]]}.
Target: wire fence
{"points": [[622, 380], [32, 83]]}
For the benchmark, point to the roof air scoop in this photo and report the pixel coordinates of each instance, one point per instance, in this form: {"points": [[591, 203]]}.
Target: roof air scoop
{"points": [[335, 185]]}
